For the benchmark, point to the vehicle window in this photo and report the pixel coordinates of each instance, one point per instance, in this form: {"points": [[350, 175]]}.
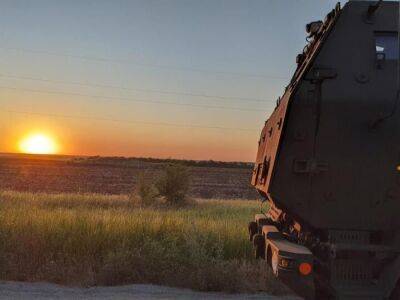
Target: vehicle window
{"points": [[387, 43]]}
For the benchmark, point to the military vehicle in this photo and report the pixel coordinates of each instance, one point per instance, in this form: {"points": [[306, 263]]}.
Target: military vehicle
{"points": [[328, 161]]}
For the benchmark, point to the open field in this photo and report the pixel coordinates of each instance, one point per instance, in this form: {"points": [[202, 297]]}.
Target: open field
{"points": [[65, 174], [91, 240]]}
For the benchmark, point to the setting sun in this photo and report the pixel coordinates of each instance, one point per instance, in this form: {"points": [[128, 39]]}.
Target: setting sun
{"points": [[38, 144]]}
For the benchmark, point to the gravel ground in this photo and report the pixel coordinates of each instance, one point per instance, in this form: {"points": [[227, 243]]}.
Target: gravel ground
{"points": [[22, 290]]}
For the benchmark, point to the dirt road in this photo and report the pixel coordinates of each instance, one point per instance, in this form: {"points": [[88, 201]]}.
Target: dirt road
{"points": [[18, 290]]}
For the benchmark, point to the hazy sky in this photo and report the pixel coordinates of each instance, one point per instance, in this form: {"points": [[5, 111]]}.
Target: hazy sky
{"points": [[126, 77]]}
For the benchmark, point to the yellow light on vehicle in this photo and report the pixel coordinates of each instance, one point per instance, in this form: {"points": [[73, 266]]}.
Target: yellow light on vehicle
{"points": [[284, 263], [305, 268], [398, 168]]}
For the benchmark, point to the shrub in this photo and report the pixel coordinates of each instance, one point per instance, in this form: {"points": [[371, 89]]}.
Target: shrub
{"points": [[145, 193], [173, 184]]}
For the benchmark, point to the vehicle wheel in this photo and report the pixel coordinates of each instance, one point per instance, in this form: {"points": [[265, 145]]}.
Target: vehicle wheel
{"points": [[253, 228], [259, 246]]}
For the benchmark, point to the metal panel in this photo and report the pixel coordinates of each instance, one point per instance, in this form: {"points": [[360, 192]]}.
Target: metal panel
{"points": [[328, 154]]}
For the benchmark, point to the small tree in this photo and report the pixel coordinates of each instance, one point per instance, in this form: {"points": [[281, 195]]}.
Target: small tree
{"points": [[145, 192], [173, 184]]}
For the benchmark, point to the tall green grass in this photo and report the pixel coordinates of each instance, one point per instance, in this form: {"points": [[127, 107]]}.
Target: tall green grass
{"points": [[104, 240]]}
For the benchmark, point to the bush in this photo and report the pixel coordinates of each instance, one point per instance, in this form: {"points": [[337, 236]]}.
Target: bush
{"points": [[173, 184], [145, 193]]}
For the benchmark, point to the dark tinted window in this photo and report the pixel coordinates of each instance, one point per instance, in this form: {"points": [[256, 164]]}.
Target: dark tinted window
{"points": [[388, 43]]}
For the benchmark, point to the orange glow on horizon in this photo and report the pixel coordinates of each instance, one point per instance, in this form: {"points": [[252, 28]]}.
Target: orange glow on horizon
{"points": [[38, 143]]}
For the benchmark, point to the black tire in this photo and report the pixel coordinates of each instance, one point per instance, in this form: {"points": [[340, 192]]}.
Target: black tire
{"points": [[253, 228], [259, 246]]}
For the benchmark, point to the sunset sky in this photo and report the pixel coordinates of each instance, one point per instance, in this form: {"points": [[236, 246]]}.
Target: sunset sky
{"points": [[182, 79]]}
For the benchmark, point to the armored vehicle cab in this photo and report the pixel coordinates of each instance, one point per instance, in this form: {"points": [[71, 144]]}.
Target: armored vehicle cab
{"points": [[328, 161]]}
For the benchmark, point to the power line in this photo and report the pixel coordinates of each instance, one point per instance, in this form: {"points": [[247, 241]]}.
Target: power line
{"points": [[133, 89], [127, 121], [157, 66], [107, 98]]}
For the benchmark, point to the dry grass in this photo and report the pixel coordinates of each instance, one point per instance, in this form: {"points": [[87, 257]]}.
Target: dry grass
{"points": [[103, 240]]}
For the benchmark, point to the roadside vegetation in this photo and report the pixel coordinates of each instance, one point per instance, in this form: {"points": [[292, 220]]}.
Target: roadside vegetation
{"points": [[90, 240]]}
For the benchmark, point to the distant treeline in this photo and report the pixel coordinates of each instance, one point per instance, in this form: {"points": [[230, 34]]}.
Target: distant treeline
{"points": [[132, 161]]}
